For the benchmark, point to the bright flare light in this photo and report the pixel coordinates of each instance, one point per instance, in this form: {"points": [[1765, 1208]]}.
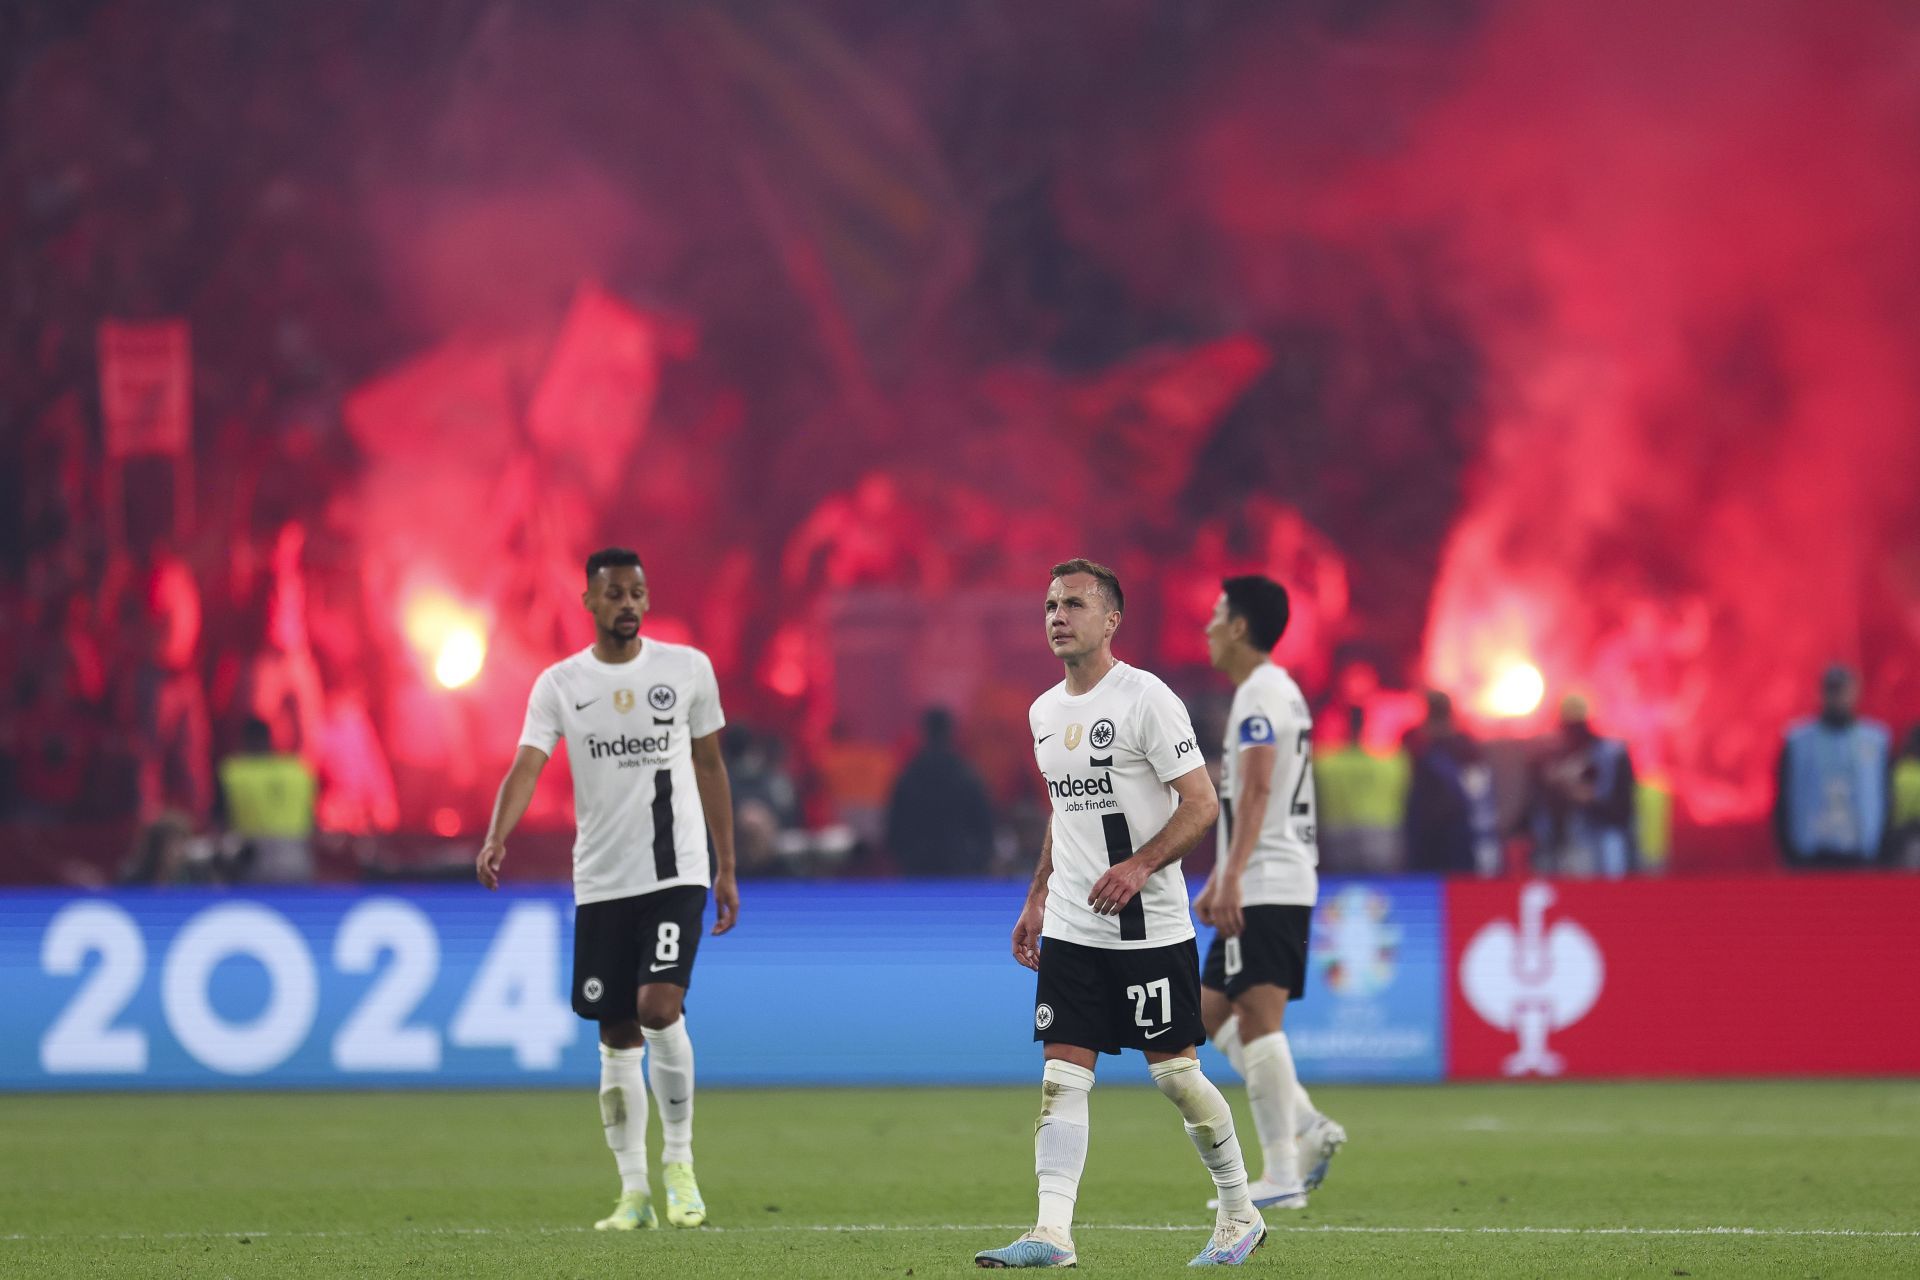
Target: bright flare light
{"points": [[450, 639], [460, 658], [1515, 692]]}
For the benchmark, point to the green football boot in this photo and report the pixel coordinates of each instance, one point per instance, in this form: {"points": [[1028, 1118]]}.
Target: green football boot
{"points": [[632, 1212], [685, 1208]]}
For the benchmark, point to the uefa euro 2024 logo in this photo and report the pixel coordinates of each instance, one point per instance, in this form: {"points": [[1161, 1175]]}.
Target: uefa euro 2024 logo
{"points": [[1532, 980], [1354, 946]]}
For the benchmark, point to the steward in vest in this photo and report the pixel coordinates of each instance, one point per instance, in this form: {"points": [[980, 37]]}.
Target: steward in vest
{"points": [[1363, 804], [268, 799], [1831, 807], [1903, 843]]}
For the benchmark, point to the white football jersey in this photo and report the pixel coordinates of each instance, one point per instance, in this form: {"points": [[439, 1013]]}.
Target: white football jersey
{"points": [[1269, 710], [1108, 756], [629, 728]]}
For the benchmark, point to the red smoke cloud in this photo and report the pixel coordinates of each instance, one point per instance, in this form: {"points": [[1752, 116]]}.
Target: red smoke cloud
{"points": [[1623, 296], [1703, 447], [1682, 238]]}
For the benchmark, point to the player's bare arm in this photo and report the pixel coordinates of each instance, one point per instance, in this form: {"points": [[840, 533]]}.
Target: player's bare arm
{"points": [[1190, 820], [716, 802], [1026, 930], [516, 793], [1219, 903]]}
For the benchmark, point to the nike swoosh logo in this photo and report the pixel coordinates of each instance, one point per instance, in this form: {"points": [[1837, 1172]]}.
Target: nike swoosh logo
{"points": [[1037, 742], [655, 968], [582, 706], [674, 1102], [1223, 1142], [1151, 1034]]}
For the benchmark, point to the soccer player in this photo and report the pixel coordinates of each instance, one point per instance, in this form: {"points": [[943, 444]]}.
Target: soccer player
{"points": [[642, 722], [1118, 967], [1261, 893]]}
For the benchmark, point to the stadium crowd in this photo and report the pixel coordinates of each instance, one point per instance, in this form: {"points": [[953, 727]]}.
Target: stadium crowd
{"points": [[185, 635], [215, 737]]}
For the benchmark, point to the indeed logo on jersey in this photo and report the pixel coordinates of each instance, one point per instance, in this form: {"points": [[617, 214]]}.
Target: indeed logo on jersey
{"points": [[629, 750], [1068, 787], [1076, 791]]}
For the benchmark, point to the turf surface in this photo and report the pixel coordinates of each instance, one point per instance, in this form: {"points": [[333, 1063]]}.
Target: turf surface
{"points": [[1788, 1179]]}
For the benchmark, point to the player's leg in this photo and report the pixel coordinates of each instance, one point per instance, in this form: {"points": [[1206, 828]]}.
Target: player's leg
{"points": [[1160, 1007], [672, 937], [1274, 973], [1223, 1029], [1238, 1229], [1267, 1065], [605, 962], [1216, 1011], [1224, 979], [623, 1117], [1060, 1135], [1070, 1021]]}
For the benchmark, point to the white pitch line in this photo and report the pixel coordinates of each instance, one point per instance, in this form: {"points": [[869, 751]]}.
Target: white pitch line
{"points": [[1610, 1129], [852, 1227]]}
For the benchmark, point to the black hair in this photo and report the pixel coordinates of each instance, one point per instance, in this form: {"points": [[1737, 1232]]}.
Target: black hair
{"points": [[613, 558], [256, 735], [1263, 604], [1109, 580]]}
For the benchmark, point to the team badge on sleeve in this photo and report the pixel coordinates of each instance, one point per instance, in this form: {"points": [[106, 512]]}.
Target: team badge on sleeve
{"points": [[1255, 730]]}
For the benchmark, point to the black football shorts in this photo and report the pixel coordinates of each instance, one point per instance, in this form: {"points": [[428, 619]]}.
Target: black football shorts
{"points": [[1108, 999], [622, 944], [1271, 948]]}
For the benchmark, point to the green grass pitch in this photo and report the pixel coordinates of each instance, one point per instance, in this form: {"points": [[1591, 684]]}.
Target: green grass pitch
{"points": [[1787, 1179]]}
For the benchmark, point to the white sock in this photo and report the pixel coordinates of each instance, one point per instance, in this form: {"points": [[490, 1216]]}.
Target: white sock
{"points": [[623, 1113], [671, 1073], [1304, 1112], [1210, 1126], [1227, 1041], [1270, 1090], [1060, 1142]]}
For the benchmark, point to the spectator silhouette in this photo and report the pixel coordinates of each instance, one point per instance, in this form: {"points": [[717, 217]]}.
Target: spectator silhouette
{"points": [[1451, 825], [1831, 807], [1580, 802], [766, 802], [939, 821]]}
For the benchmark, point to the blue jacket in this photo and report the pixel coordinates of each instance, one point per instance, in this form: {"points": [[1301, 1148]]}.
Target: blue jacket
{"points": [[1833, 789], [1606, 826]]}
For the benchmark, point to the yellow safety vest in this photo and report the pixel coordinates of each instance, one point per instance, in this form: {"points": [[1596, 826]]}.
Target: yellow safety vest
{"points": [[268, 795], [1906, 792], [1653, 815], [1353, 788]]}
